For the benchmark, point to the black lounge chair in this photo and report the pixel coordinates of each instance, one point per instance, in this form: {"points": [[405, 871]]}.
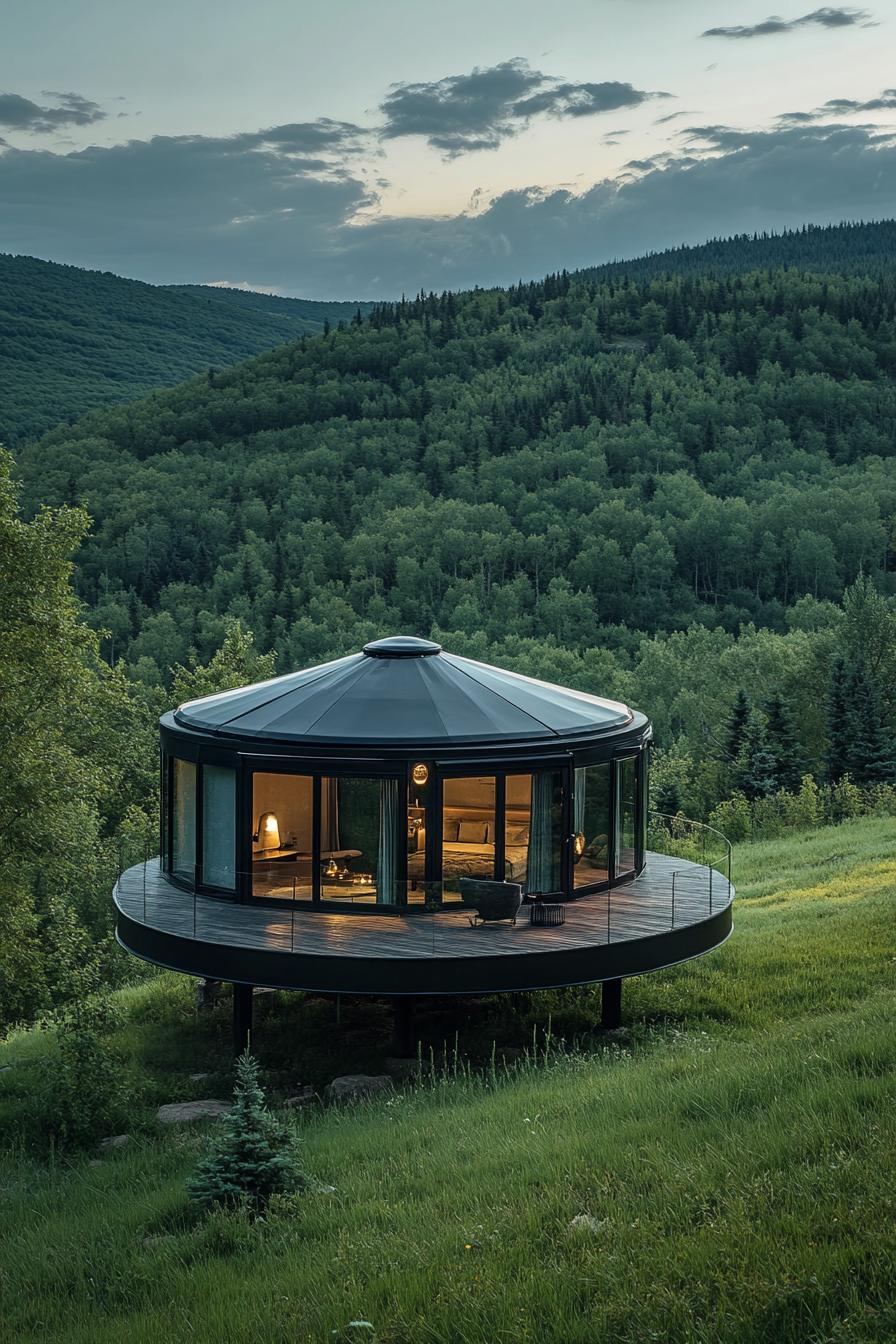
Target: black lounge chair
{"points": [[491, 901]]}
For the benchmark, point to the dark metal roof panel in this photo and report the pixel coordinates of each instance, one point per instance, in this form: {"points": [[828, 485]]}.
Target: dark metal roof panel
{"points": [[413, 694]]}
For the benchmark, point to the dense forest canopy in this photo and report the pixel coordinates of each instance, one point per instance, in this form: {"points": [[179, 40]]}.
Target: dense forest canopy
{"points": [[572, 460], [72, 339], [678, 490], [848, 249]]}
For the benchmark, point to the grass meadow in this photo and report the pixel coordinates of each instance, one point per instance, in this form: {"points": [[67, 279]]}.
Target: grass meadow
{"points": [[721, 1170]]}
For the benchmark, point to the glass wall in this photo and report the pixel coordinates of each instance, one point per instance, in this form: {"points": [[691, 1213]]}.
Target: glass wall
{"points": [[468, 829], [219, 827], [545, 867], [591, 825], [626, 815], [183, 821], [517, 823], [282, 830], [361, 853]]}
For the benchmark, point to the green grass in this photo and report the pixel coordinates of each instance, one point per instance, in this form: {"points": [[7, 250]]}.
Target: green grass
{"points": [[734, 1150]]}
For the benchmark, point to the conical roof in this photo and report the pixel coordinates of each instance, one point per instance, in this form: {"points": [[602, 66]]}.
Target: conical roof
{"points": [[404, 691]]}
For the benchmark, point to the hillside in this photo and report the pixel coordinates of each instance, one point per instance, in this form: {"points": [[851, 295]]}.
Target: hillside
{"points": [[308, 316], [71, 339], [732, 1153], [847, 249]]}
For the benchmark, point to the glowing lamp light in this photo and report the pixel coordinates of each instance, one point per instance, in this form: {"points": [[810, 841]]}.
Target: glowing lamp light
{"points": [[420, 774], [268, 831], [579, 845]]}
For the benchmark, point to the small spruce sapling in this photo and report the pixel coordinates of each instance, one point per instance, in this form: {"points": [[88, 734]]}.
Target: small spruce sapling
{"points": [[251, 1157]]}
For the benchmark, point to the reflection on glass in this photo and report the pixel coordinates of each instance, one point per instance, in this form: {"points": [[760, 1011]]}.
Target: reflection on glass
{"points": [[517, 819], [468, 830], [218, 827], [360, 840], [282, 809], [183, 830], [626, 801], [544, 875], [591, 825]]}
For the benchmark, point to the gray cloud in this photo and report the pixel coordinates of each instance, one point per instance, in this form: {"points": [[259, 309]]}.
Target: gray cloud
{"points": [[21, 114], [841, 107], [829, 16], [180, 209], [323, 136], [463, 113]]}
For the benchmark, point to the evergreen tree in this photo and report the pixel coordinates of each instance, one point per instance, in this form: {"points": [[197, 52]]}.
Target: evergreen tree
{"points": [[838, 728], [756, 765], [736, 727], [869, 746], [783, 744], [251, 1156]]}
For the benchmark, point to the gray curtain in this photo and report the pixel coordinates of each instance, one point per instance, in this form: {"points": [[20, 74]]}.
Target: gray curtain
{"points": [[540, 868], [387, 857], [578, 802]]}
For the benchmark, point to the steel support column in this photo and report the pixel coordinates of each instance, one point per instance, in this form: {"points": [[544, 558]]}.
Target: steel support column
{"points": [[611, 1004], [242, 1017]]}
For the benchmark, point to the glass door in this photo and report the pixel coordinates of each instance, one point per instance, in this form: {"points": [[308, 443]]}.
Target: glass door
{"points": [[625, 817]]}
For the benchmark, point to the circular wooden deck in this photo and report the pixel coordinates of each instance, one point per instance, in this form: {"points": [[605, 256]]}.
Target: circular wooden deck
{"points": [[673, 911]]}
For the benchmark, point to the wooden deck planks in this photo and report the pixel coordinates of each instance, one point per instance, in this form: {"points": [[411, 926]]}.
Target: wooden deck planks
{"points": [[639, 909]]}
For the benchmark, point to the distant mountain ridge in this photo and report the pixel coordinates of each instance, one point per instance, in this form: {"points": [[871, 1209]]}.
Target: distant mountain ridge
{"points": [[848, 249], [73, 340]]}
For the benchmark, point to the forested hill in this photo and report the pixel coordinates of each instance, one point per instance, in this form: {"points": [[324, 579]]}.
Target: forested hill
{"points": [[568, 461], [848, 249], [304, 316], [71, 340]]}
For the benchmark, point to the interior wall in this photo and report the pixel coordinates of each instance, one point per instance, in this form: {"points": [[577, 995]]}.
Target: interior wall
{"points": [[290, 798]]}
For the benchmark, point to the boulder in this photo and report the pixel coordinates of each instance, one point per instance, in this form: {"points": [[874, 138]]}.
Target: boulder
{"points": [[116, 1141], [184, 1112], [306, 1096], [356, 1086]]}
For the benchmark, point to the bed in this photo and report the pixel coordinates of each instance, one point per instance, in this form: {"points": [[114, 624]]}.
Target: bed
{"points": [[472, 860]]}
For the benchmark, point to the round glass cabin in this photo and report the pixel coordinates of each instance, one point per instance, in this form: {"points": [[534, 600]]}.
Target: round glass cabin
{"points": [[380, 781]]}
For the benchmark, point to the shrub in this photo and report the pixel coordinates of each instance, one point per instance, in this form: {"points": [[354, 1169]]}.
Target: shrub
{"points": [[82, 1093], [251, 1156]]}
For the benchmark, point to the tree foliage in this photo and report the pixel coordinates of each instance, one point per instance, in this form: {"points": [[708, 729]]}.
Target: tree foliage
{"points": [[252, 1156]]}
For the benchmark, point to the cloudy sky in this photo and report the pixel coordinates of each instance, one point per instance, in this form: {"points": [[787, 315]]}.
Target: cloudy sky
{"points": [[361, 148]]}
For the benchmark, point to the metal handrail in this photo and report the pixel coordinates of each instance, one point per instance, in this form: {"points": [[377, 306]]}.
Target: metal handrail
{"points": [[723, 865]]}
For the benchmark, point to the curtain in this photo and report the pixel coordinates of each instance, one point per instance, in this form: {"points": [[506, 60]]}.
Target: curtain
{"points": [[387, 856], [329, 808], [540, 867], [578, 802]]}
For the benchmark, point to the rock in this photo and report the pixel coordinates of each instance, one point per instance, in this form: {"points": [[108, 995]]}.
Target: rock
{"points": [[306, 1096], [356, 1086], [183, 1112], [5, 1068], [157, 1239], [115, 1141], [198, 1077], [207, 992], [405, 1068], [94, 1162], [585, 1222]]}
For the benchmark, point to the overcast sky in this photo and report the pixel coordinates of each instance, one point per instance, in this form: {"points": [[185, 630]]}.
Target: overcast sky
{"points": [[361, 148]]}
